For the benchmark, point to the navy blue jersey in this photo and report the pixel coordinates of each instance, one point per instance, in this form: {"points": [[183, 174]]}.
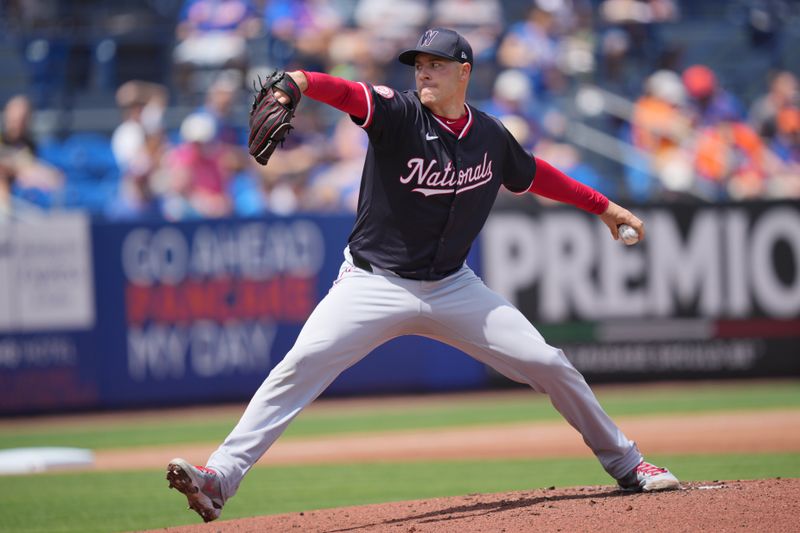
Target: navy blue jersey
{"points": [[425, 192]]}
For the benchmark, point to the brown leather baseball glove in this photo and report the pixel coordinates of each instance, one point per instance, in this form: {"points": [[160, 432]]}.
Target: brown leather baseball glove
{"points": [[270, 120]]}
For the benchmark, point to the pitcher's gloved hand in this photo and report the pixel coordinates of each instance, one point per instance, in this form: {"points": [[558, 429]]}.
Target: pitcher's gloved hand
{"points": [[270, 120]]}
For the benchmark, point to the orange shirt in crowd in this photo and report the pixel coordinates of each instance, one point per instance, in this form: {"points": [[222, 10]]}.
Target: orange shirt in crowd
{"points": [[653, 124], [729, 149]]}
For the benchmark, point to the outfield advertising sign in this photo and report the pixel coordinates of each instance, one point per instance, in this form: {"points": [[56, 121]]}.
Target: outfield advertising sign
{"points": [[102, 315], [180, 313], [47, 314], [208, 302], [712, 290], [200, 311], [46, 275]]}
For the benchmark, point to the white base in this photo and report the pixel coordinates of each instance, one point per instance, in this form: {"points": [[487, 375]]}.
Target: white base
{"points": [[42, 459]]}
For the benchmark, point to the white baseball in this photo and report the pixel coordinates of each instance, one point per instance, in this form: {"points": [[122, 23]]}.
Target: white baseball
{"points": [[628, 234]]}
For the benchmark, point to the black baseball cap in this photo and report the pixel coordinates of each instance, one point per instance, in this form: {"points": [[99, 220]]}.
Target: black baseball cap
{"points": [[440, 42]]}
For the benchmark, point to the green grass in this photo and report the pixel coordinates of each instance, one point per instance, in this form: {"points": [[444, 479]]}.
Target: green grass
{"points": [[107, 502], [99, 501], [515, 408]]}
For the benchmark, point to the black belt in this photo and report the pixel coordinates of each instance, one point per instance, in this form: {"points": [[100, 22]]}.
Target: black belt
{"points": [[360, 262], [363, 264]]}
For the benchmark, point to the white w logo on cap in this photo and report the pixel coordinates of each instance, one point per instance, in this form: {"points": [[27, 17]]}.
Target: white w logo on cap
{"points": [[428, 37]]}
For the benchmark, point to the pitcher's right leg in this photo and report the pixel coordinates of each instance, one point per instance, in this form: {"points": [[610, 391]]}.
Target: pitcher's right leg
{"points": [[361, 311]]}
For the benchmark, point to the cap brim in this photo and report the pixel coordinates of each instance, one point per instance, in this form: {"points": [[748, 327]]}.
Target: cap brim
{"points": [[408, 57]]}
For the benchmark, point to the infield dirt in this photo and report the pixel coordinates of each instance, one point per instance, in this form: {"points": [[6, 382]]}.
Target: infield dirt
{"points": [[770, 505], [720, 506]]}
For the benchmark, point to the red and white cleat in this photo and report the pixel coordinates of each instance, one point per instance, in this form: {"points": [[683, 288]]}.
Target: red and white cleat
{"points": [[648, 478], [200, 485]]}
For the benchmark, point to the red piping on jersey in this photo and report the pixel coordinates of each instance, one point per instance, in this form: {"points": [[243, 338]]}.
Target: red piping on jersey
{"points": [[443, 124], [469, 123], [555, 185], [460, 130], [370, 106]]}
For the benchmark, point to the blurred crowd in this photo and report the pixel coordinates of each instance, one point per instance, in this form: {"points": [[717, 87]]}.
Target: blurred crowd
{"points": [[680, 133], [702, 142]]}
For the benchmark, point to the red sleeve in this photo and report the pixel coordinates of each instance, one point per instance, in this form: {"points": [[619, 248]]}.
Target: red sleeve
{"points": [[554, 184], [344, 95]]}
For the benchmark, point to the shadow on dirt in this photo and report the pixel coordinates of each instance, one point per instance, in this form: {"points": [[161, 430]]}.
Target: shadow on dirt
{"points": [[486, 508]]}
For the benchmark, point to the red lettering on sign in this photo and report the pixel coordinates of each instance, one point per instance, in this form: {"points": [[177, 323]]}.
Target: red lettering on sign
{"points": [[282, 299]]}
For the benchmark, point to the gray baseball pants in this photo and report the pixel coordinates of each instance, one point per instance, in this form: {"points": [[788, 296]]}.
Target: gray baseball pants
{"points": [[363, 310]]}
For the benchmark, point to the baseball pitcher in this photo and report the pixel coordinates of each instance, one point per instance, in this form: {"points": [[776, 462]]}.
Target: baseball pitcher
{"points": [[433, 170]]}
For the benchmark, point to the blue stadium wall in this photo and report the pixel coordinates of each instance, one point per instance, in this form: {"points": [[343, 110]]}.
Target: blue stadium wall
{"points": [[98, 315]]}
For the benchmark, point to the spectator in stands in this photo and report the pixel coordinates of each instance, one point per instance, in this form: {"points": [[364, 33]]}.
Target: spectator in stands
{"points": [[765, 20], [279, 187], [391, 20], [730, 161], [632, 36], [219, 104], [198, 172], [143, 182], [786, 146], [8, 174], [636, 13], [479, 21], [300, 31], [710, 103], [575, 20], [783, 93], [212, 34], [334, 186], [352, 56], [259, 193], [532, 46], [660, 127], [512, 93], [142, 105], [34, 178], [16, 124], [25, 15]]}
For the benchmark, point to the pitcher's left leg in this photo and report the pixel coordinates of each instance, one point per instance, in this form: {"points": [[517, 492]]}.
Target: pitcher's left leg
{"points": [[471, 317]]}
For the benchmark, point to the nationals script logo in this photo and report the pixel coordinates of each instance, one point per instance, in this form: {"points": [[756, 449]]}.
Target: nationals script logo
{"points": [[429, 179]]}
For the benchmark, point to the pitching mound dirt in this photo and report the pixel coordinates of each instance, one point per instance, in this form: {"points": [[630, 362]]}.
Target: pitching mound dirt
{"points": [[771, 505]]}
